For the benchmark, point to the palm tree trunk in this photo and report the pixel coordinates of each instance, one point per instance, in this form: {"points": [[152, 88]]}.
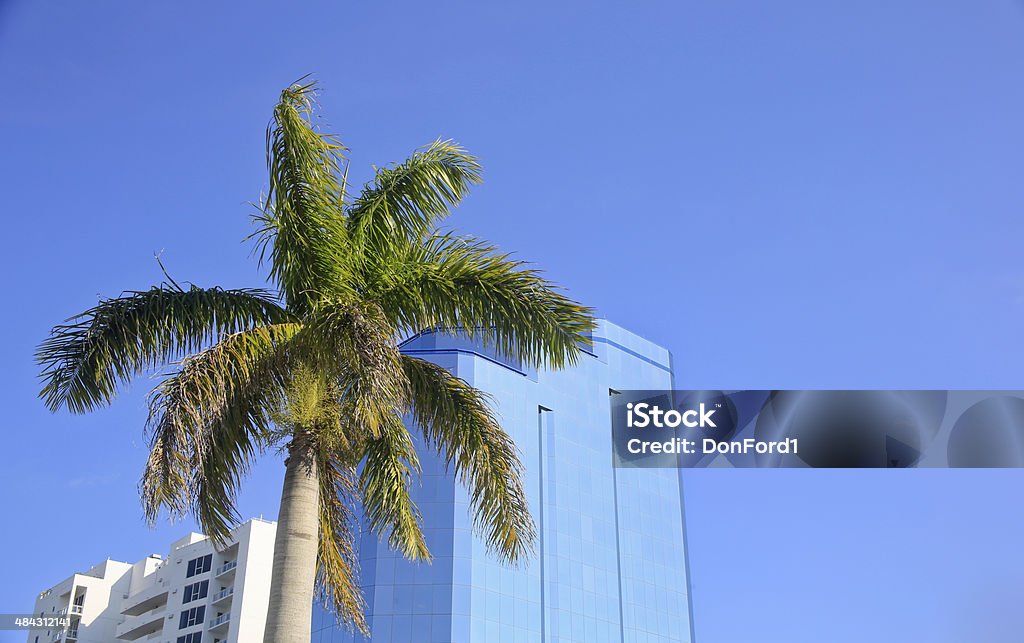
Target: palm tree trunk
{"points": [[295, 551]]}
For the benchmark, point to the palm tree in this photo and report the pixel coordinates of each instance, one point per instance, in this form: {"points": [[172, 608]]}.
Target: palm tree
{"points": [[314, 368]]}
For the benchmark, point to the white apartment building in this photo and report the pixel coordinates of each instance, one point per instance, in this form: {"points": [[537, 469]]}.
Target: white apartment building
{"points": [[197, 594]]}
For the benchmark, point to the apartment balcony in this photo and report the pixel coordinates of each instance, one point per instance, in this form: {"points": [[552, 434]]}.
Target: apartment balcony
{"points": [[135, 627], [226, 568], [62, 635], [73, 609], [147, 600], [223, 596], [220, 622]]}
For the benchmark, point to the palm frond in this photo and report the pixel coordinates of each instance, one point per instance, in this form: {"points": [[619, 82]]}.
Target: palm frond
{"points": [[457, 419], [85, 359], [208, 421], [462, 283], [337, 562], [406, 201], [355, 343], [301, 223], [387, 473]]}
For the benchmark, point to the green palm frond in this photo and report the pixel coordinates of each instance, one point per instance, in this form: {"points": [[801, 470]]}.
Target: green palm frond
{"points": [[457, 419], [85, 359], [405, 202], [301, 223], [465, 284], [355, 343], [337, 562], [389, 468], [208, 421]]}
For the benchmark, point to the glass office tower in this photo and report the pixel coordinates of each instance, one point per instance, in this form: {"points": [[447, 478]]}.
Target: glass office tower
{"points": [[611, 563]]}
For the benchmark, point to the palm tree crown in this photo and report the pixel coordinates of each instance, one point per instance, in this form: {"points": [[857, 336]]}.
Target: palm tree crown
{"points": [[314, 366]]}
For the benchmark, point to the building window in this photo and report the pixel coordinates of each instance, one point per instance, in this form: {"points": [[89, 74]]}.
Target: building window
{"points": [[192, 617], [194, 637], [199, 565], [195, 591]]}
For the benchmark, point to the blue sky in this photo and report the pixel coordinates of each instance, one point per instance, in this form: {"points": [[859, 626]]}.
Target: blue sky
{"points": [[788, 195]]}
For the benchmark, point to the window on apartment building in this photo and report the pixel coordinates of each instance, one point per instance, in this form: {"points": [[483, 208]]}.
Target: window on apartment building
{"points": [[192, 617], [195, 591], [194, 637], [199, 565]]}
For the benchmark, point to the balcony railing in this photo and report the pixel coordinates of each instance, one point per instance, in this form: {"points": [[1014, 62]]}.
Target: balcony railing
{"points": [[224, 593], [226, 567], [76, 609], [220, 620]]}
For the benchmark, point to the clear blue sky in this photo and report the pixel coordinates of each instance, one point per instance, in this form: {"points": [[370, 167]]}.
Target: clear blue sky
{"points": [[788, 195]]}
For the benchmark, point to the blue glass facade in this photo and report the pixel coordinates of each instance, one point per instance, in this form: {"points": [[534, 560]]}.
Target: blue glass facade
{"points": [[611, 565]]}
